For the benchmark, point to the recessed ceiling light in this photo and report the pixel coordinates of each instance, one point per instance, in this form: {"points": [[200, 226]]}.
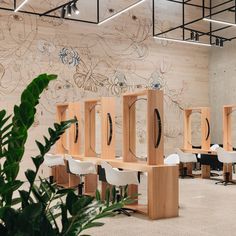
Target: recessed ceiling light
{"points": [[121, 12], [182, 41], [21, 5], [219, 22]]}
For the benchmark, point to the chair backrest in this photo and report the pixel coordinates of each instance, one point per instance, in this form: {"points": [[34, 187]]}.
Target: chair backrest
{"points": [[78, 167], [172, 159], [186, 157], [214, 147], [51, 160], [225, 156], [119, 178]]}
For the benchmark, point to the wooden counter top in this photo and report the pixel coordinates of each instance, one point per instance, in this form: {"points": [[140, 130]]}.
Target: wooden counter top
{"points": [[199, 151], [119, 163]]}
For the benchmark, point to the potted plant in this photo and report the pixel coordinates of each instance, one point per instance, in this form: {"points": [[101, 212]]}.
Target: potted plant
{"points": [[40, 209]]}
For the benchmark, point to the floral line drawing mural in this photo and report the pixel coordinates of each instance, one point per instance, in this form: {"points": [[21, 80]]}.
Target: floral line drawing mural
{"points": [[69, 57]]}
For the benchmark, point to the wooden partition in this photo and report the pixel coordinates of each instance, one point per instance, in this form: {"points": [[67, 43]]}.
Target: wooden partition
{"points": [[163, 185], [205, 135], [205, 127], [155, 140], [68, 143], [107, 109], [227, 131]]}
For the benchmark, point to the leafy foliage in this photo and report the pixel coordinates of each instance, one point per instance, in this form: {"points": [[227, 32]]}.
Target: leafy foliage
{"points": [[38, 209]]}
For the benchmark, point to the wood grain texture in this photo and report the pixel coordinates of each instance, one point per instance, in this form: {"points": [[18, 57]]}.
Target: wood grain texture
{"points": [[155, 153], [205, 130], [163, 192]]}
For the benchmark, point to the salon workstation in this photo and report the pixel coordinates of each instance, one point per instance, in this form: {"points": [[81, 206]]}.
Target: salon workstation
{"points": [[118, 117]]}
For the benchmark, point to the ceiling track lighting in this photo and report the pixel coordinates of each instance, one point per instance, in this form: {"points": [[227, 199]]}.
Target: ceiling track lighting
{"points": [[21, 5], [121, 12], [221, 43], [63, 12], [194, 36], [219, 22], [208, 12], [74, 8], [197, 37], [182, 41], [68, 8]]}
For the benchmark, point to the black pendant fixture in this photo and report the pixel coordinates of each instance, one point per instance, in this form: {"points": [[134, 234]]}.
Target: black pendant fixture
{"points": [[69, 10], [221, 43], [217, 42], [63, 12], [197, 37], [74, 8], [192, 35]]}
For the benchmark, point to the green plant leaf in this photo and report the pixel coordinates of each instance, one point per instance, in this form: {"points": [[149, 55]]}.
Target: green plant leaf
{"points": [[30, 175], [37, 161], [93, 224], [41, 147]]}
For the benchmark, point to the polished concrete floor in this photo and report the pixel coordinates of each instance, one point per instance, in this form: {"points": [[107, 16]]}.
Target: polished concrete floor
{"points": [[205, 209]]}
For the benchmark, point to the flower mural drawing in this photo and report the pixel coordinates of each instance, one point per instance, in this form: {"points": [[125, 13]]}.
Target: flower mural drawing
{"points": [[69, 57], [87, 78]]}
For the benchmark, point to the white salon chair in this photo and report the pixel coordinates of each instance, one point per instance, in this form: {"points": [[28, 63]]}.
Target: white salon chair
{"points": [[120, 179], [186, 158], [81, 169], [226, 158], [172, 159], [214, 147], [51, 161]]}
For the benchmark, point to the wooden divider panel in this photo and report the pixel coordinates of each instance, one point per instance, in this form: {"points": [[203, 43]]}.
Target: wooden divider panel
{"points": [[155, 126]]}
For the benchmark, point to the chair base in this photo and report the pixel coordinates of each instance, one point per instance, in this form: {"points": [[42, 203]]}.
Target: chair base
{"points": [[225, 183], [226, 180], [51, 179], [125, 211], [187, 176], [214, 174], [80, 189], [184, 174]]}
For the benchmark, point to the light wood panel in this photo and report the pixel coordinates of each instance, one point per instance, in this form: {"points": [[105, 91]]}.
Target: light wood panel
{"points": [[155, 151], [68, 111], [227, 134], [107, 108], [205, 136], [89, 128], [129, 128], [60, 174], [163, 192], [155, 103], [205, 127]]}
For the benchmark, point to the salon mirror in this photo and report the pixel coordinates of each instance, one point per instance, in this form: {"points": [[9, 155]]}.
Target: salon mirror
{"points": [[233, 128], [196, 130], [138, 128], [66, 136], [95, 126]]}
